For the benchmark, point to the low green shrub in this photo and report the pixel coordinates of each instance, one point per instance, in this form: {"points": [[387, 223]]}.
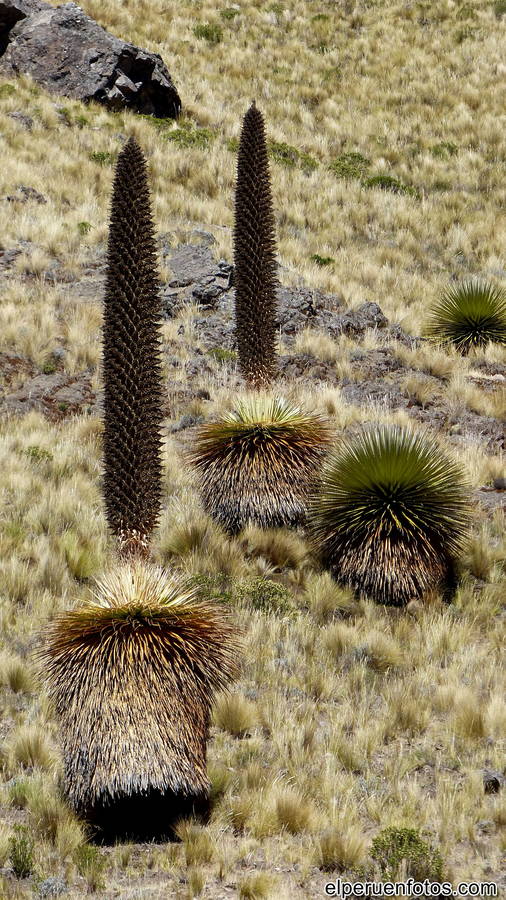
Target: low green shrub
{"points": [[289, 156], [265, 596], [21, 851], [188, 135], [211, 33], [350, 165], [389, 183], [229, 13], [444, 149], [396, 847], [103, 157]]}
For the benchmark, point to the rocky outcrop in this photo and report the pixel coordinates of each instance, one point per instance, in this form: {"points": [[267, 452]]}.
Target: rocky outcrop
{"points": [[69, 54]]}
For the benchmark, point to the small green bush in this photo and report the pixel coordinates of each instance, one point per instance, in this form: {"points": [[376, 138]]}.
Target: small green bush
{"points": [[213, 34], [350, 165], [392, 846], [500, 8], [229, 13], [290, 156], [7, 90], [38, 453], [265, 596], [321, 260], [103, 157], [186, 135], [444, 149], [389, 183], [21, 852], [90, 865], [84, 227], [212, 587]]}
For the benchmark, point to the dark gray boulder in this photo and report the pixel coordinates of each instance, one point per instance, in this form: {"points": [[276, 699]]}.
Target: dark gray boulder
{"points": [[69, 54]]}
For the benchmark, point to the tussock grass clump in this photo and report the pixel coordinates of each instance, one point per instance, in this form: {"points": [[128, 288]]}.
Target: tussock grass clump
{"points": [[132, 674], [256, 465], [469, 315], [235, 714], [339, 848], [131, 360], [391, 515], [254, 255]]}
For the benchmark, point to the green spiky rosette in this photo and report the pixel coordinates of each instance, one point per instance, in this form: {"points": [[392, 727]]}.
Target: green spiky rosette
{"points": [[469, 315], [258, 463], [132, 674], [390, 515]]}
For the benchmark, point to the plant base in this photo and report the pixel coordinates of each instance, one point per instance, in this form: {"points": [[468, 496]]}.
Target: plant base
{"points": [[149, 817]]}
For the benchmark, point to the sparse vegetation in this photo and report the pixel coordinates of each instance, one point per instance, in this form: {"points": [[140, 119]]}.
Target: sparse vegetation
{"points": [[373, 745]]}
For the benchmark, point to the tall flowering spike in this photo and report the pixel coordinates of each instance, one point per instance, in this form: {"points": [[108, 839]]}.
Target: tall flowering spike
{"points": [[131, 360], [255, 256]]}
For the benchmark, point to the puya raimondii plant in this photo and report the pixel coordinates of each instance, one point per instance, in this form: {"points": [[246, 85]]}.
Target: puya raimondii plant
{"points": [[391, 514], [132, 671], [131, 360], [257, 464], [469, 315]]}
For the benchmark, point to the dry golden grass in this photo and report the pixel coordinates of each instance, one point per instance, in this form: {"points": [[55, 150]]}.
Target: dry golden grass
{"points": [[348, 718]]}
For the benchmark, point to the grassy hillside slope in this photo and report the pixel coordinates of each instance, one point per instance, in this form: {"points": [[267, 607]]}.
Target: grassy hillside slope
{"points": [[348, 718]]}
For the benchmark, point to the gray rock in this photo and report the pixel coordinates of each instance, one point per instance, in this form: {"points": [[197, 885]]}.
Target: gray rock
{"points": [[13, 11], [68, 53], [24, 120], [25, 194], [190, 263], [55, 395], [186, 422], [493, 781], [53, 887]]}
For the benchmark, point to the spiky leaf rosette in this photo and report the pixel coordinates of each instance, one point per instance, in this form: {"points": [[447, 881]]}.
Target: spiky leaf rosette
{"points": [[258, 463], [254, 256], [132, 674], [390, 515], [469, 315], [131, 359]]}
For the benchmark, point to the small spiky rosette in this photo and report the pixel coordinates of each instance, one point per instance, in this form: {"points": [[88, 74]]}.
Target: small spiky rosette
{"points": [[469, 315], [257, 464], [254, 256], [132, 674], [131, 361], [390, 515]]}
